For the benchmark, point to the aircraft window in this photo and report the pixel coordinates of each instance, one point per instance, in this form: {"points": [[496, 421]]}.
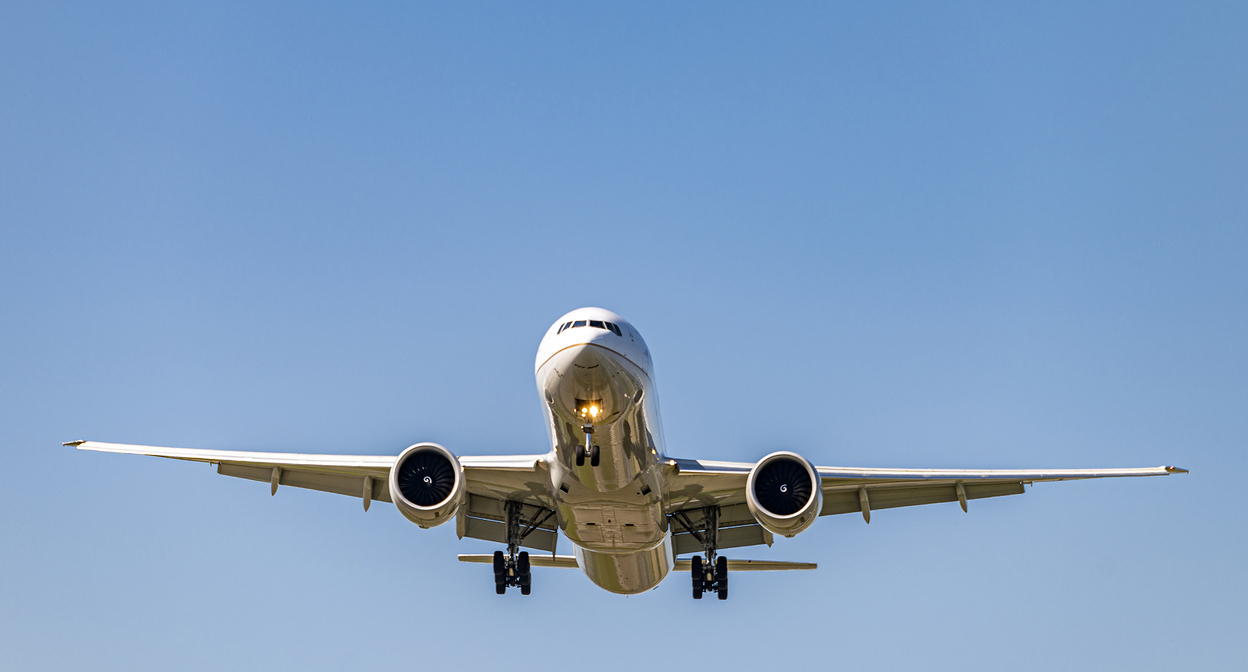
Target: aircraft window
{"points": [[565, 326], [597, 323], [614, 329], [578, 323]]}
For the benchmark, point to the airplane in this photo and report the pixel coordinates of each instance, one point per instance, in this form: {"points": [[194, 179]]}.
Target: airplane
{"points": [[607, 484]]}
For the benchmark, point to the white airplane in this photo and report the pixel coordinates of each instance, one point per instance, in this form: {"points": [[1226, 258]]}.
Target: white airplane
{"points": [[607, 484]]}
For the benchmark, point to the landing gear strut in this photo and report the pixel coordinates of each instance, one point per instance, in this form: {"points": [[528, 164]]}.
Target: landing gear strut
{"points": [[709, 574], [512, 568], [593, 451]]}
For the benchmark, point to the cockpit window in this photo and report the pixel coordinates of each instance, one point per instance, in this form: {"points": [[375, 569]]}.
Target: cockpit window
{"points": [[597, 324]]}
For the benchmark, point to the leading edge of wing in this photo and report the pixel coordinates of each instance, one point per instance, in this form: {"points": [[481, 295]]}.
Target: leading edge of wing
{"points": [[312, 461], [1027, 475], [871, 473], [383, 462]]}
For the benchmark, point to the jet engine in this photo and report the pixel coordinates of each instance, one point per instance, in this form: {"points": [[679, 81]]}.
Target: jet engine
{"points": [[427, 484], [784, 494]]}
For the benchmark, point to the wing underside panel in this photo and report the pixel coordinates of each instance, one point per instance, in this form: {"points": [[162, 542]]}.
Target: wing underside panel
{"points": [[737, 528], [340, 484], [838, 499], [485, 518]]}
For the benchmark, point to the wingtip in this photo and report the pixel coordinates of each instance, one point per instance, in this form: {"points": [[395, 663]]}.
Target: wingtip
{"points": [[1175, 470], [74, 444]]}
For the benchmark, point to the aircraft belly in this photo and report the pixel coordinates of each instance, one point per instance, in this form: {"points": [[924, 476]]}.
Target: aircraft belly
{"points": [[613, 528], [627, 573]]}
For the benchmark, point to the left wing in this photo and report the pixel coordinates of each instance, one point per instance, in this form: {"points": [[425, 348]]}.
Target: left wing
{"points": [[700, 483], [848, 490]]}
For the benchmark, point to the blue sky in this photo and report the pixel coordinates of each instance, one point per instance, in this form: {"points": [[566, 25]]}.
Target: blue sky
{"points": [[957, 235]]}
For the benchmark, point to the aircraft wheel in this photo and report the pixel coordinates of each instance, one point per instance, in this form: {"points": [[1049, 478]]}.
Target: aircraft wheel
{"points": [[522, 565], [500, 565], [594, 454], [696, 572], [580, 456], [500, 585], [721, 577]]}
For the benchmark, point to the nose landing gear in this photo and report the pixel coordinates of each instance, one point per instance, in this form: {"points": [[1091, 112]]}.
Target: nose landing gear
{"points": [[593, 451]]}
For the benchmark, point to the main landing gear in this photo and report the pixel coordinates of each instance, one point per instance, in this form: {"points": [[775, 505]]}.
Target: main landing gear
{"points": [[511, 569], [593, 451], [710, 580], [709, 574]]}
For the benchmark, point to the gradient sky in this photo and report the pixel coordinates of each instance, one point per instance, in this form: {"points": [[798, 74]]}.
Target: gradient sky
{"points": [[926, 235]]}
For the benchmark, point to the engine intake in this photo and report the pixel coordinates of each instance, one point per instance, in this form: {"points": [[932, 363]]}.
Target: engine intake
{"points": [[783, 493], [427, 484]]}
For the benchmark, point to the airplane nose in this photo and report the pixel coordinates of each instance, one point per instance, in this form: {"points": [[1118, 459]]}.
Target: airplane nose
{"points": [[589, 384]]}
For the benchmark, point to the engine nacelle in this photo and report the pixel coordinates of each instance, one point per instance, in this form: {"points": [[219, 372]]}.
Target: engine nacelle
{"points": [[784, 493], [427, 484]]}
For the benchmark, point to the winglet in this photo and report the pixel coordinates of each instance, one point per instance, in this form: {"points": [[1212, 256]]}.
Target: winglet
{"points": [[74, 444], [1175, 470]]}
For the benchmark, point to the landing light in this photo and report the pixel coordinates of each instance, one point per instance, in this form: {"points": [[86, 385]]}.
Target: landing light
{"points": [[589, 408]]}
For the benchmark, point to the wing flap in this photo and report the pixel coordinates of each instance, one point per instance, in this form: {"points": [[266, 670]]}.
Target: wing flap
{"points": [[737, 528], [339, 484], [485, 518], [848, 501]]}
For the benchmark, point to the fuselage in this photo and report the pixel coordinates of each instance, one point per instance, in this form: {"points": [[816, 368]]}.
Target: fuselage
{"points": [[594, 371]]}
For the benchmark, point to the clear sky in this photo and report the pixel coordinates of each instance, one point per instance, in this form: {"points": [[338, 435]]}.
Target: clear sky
{"points": [[900, 235]]}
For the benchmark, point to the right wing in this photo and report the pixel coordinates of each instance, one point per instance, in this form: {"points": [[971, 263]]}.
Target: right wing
{"points": [[490, 481], [364, 476]]}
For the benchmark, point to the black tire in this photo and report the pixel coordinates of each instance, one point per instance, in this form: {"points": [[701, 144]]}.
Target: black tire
{"points": [[721, 577], [696, 572], [500, 585], [580, 456], [525, 589], [697, 592], [522, 565], [594, 454], [500, 564]]}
